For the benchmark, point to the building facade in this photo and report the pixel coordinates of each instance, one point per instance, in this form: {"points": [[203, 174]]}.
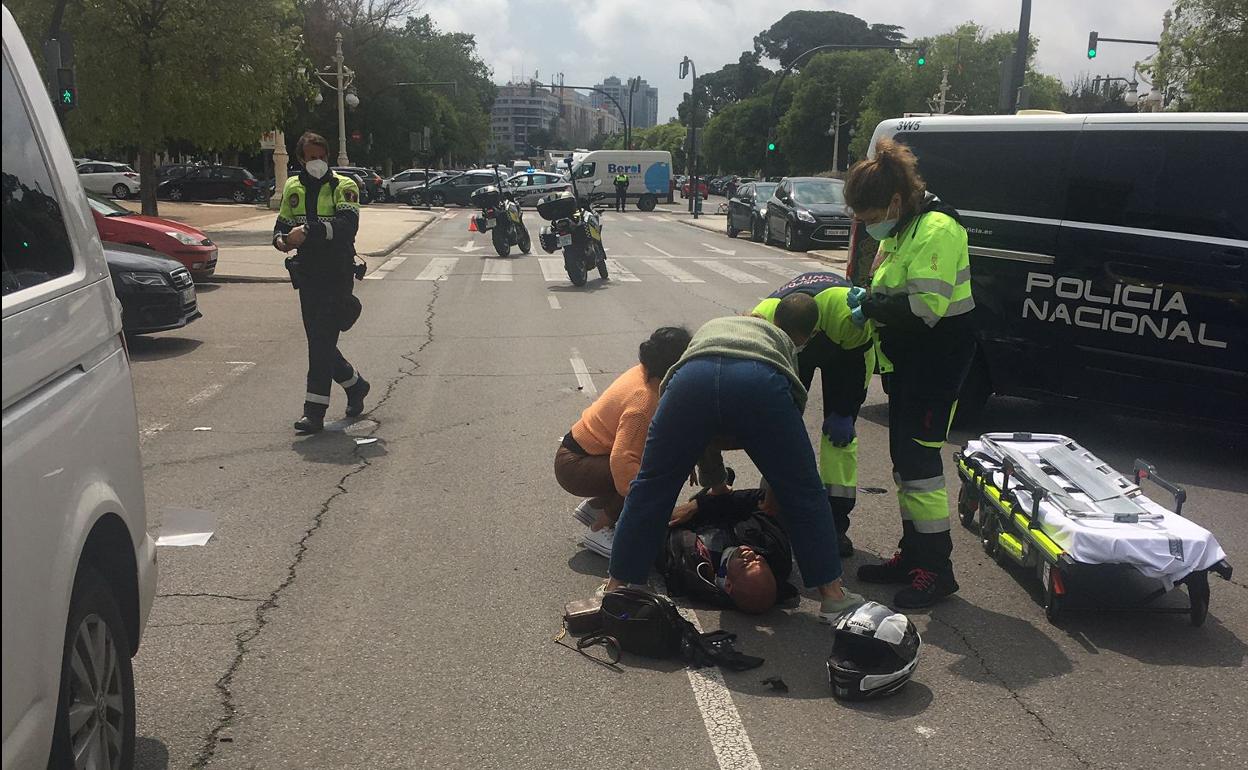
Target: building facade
{"points": [[580, 121], [518, 110], [645, 109]]}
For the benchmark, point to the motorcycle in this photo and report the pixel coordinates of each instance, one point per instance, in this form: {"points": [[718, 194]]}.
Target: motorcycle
{"points": [[501, 214], [576, 227]]}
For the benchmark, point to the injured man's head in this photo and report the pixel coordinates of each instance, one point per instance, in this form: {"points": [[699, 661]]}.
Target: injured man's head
{"points": [[749, 581]]}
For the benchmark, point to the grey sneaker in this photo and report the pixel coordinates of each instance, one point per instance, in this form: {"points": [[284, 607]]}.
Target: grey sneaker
{"points": [[829, 608]]}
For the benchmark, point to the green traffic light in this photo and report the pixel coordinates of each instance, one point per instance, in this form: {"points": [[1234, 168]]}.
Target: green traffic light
{"points": [[771, 147], [67, 96], [922, 61], [1091, 53]]}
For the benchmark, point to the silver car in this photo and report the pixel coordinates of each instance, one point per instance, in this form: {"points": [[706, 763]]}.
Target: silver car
{"points": [[529, 187]]}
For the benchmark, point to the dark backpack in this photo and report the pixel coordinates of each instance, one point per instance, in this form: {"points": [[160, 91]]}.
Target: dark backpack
{"points": [[647, 624]]}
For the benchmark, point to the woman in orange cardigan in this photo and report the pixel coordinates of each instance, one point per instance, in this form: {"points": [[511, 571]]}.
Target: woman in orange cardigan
{"points": [[601, 454]]}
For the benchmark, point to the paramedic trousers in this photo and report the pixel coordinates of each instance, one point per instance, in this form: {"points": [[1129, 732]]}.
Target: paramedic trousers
{"points": [[753, 402], [320, 305], [917, 428], [838, 466]]}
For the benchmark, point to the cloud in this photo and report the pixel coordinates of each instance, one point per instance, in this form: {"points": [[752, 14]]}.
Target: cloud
{"points": [[589, 41]]}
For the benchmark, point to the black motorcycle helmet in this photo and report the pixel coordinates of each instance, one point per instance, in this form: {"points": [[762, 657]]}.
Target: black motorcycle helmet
{"points": [[874, 652]]}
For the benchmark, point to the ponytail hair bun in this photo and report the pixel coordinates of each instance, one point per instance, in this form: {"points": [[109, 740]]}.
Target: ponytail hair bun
{"points": [[872, 183], [663, 350]]}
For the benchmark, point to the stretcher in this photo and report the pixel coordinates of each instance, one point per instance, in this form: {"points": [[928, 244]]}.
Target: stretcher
{"points": [[1042, 501]]}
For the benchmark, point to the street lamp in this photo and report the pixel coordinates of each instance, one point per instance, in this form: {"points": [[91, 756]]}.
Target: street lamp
{"points": [[339, 77], [695, 201]]}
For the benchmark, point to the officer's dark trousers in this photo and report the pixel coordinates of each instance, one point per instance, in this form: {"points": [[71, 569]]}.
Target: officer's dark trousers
{"points": [[819, 353], [319, 304], [621, 198]]}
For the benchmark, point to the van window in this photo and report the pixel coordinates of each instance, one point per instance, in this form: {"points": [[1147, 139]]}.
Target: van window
{"points": [[585, 170], [36, 246], [1006, 172], [1177, 181]]}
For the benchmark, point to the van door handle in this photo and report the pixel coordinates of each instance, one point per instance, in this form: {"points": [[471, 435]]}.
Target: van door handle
{"points": [[1232, 258]]}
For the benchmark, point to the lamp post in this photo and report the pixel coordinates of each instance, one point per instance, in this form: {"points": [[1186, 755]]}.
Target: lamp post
{"points": [[695, 200], [339, 77]]}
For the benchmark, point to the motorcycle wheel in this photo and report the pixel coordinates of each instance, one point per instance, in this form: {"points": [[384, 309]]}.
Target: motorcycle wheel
{"points": [[501, 242], [526, 241], [602, 263], [575, 266]]}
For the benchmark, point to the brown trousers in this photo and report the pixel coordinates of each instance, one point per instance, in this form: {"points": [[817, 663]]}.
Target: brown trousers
{"points": [[589, 476]]}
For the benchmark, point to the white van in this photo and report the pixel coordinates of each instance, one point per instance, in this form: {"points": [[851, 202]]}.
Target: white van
{"points": [[79, 566], [649, 173]]}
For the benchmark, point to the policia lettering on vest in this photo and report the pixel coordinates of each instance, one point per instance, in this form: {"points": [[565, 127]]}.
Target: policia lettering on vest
{"points": [[844, 354], [919, 306], [621, 190], [319, 217]]}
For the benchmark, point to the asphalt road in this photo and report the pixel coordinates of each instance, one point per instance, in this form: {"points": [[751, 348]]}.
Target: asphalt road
{"points": [[392, 604]]}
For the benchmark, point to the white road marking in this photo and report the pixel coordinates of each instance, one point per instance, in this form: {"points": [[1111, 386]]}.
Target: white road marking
{"points": [[450, 215], [205, 394], [717, 250], [662, 219], [620, 273], [497, 270], [469, 247], [552, 268], [812, 266], [582, 374], [152, 430], [926, 732], [386, 267], [554, 302], [732, 746], [661, 251], [729, 272], [671, 271], [632, 218], [772, 267], [630, 235], [438, 269]]}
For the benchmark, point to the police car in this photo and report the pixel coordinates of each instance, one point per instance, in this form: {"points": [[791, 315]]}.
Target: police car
{"points": [[1107, 254]]}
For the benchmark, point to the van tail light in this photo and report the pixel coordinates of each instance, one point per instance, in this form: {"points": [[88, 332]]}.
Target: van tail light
{"points": [[853, 248], [249, 182]]}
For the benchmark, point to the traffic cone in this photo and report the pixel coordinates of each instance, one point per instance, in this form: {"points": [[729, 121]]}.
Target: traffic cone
{"points": [[472, 224]]}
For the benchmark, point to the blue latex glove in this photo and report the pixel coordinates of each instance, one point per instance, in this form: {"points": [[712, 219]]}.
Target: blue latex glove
{"points": [[857, 317], [855, 296], [839, 429]]}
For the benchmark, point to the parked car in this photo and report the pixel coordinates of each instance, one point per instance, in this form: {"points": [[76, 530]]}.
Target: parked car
{"points": [[79, 566], [156, 293], [456, 189], [807, 211], [529, 187], [748, 208], [175, 240], [174, 171], [716, 184], [687, 186], [105, 178], [398, 187], [206, 183], [369, 181]]}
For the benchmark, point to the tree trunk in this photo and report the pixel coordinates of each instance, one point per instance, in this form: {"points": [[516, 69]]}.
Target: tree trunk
{"points": [[147, 179]]}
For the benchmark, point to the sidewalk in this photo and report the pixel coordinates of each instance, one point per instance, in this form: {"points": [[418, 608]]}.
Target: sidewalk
{"points": [[245, 250], [715, 223]]}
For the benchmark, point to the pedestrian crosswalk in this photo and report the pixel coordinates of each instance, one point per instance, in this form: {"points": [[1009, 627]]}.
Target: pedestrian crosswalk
{"points": [[623, 269]]}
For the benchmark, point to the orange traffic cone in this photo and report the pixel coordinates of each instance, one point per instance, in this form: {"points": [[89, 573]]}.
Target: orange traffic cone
{"points": [[472, 224]]}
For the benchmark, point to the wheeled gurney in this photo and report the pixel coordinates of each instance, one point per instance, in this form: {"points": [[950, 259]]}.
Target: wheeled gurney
{"points": [[1042, 501]]}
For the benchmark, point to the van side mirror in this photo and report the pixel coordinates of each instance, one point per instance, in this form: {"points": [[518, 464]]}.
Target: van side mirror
{"points": [[597, 183]]}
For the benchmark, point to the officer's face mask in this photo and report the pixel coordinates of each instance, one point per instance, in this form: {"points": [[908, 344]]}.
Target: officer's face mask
{"points": [[884, 228], [317, 168]]}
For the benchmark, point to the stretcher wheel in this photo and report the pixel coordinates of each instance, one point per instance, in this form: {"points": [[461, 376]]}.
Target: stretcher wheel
{"points": [[968, 505], [1053, 601], [1198, 594], [988, 537]]}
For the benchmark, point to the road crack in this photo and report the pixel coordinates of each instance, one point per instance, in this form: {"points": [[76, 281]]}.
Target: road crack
{"points": [[261, 615], [249, 599]]}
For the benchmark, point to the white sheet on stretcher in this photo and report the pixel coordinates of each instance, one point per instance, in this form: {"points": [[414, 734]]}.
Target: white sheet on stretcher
{"points": [[1166, 550]]}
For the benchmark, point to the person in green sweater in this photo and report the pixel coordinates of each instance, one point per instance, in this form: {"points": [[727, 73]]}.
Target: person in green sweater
{"points": [[738, 379]]}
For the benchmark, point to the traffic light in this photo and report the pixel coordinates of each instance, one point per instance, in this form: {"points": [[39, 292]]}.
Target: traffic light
{"points": [[771, 146], [66, 90], [921, 59], [1092, 41]]}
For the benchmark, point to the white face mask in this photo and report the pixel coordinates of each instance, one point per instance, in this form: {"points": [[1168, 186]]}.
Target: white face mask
{"points": [[317, 169]]}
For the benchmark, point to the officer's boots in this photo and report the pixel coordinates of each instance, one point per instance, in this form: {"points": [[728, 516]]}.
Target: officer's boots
{"points": [[313, 419], [355, 397]]}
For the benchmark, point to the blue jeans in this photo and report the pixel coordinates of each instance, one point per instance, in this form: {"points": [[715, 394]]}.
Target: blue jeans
{"points": [[753, 403]]}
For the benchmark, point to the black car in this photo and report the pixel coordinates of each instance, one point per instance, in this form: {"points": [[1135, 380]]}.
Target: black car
{"points": [[457, 189], [210, 183], [156, 293], [748, 207], [806, 212], [369, 182]]}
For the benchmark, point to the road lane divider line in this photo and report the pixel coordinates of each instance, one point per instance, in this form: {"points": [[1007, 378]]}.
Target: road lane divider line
{"points": [[661, 251], [438, 269], [772, 267], [385, 268], [620, 273], [728, 271], [554, 302], [205, 394], [497, 270], [731, 744], [583, 379], [630, 235], [552, 268], [676, 274]]}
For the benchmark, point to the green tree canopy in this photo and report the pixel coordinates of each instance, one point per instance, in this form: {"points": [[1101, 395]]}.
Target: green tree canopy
{"points": [[800, 31], [1204, 55]]}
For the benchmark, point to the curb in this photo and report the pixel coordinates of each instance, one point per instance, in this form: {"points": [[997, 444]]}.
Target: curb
{"points": [[404, 239], [246, 279]]}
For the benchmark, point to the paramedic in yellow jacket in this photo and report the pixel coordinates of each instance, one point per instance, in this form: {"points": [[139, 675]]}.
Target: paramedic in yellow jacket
{"points": [[844, 355], [920, 307], [319, 217]]}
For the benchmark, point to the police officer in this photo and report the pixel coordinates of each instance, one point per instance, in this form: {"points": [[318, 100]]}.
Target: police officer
{"points": [[621, 190], [920, 306], [845, 357], [319, 217]]}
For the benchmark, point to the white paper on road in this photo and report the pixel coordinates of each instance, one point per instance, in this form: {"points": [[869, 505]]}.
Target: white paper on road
{"points": [[186, 526]]}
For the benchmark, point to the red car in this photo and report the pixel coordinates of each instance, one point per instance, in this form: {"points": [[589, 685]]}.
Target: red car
{"points": [[175, 240], [702, 189]]}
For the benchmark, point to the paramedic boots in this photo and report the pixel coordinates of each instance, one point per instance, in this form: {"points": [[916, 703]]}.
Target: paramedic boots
{"points": [[923, 562], [313, 419], [925, 589], [355, 397]]}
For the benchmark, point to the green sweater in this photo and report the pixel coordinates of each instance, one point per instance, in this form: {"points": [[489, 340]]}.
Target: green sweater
{"points": [[745, 337]]}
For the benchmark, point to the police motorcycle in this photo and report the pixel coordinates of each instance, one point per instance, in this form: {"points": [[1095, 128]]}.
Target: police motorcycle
{"points": [[576, 227], [501, 214]]}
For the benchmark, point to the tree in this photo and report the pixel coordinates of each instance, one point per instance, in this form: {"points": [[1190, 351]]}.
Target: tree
{"points": [[733, 82], [1085, 95], [1204, 55], [800, 31], [149, 74]]}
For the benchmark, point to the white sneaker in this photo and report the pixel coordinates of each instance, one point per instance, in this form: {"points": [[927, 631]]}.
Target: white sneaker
{"points": [[586, 513], [599, 542]]}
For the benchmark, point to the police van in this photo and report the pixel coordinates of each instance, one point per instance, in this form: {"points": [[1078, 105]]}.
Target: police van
{"points": [[1108, 254]]}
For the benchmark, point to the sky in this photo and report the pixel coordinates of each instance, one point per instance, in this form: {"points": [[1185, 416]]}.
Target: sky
{"points": [[588, 40]]}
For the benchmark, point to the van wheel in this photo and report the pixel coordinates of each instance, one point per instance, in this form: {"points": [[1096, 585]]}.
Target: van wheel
{"points": [[94, 724], [646, 203], [974, 394]]}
